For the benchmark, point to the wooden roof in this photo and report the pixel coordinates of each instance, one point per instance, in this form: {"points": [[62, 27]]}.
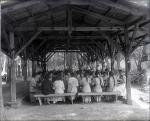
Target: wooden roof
{"points": [[42, 26]]}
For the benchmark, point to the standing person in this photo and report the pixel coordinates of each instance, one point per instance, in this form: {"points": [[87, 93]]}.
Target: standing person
{"points": [[59, 88], [72, 85], [97, 86], [86, 88]]}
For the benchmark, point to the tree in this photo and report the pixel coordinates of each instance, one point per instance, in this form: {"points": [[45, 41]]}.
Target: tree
{"points": [[137, 55]]}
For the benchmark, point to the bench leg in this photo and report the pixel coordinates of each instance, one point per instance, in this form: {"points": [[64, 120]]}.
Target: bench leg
{"points": [[83, 99], [71, 99], [99, 98], [40, 101], [116, 97]]}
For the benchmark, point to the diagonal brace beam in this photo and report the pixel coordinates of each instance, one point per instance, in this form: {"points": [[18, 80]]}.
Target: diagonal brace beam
{"points": [[28, 43]]}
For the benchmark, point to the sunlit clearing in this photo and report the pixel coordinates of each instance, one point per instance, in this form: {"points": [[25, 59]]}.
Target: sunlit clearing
{"points": [[140, 2], [136, 98], [3, 1]]}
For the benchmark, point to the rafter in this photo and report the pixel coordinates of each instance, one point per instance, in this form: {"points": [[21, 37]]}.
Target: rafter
{"points": [[107, 19], [19, 6], [50, 56], [28, 43], [111, 28], [38, 47], [138, 43], [131, 10], [49, 12]]}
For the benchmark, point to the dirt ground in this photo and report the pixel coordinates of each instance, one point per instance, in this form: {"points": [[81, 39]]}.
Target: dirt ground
{"points": [[94, 111]]}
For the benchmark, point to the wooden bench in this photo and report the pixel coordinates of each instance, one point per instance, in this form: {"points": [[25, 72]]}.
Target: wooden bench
{"points": [[116, 94], [39, 96]]}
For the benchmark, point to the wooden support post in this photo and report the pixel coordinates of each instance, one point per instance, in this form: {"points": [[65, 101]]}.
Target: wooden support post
{"points": [[1, 95], [13, 81], [25, 66], [128, 82], [44, 65], [127, 62], [9, 70], [112, 64], [33, 67], [64, 60], [62, 75], [25, 70], [149, 11]]}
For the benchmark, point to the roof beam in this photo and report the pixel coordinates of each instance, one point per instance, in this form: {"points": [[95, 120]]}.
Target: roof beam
{"points": [[131, 10], [73, 28], [19, 6], [72, 37], [49, 12], [107, 19], [22, 5], [38, 47]]}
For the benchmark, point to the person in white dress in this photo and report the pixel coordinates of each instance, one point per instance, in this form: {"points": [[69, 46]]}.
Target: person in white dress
{"points": [[97, 86], [72, 85], [86, 88], [121, 83], [59, 88]]}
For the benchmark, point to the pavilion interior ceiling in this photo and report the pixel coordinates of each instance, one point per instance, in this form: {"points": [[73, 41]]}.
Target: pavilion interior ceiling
{"points": [[84, 25]]}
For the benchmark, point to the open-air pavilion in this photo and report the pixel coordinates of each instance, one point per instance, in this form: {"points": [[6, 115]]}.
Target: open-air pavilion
{"points": [[96, 29]]}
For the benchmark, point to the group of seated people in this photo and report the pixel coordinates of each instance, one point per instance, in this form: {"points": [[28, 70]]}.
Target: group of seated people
{"points": [[59, 82]]}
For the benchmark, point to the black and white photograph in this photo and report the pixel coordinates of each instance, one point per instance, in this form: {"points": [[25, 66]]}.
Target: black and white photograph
{"points": [[74, 60]]}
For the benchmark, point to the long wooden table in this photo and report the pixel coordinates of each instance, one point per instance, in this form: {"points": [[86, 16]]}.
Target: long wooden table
{"points": [[116, 94], [39, 96]]}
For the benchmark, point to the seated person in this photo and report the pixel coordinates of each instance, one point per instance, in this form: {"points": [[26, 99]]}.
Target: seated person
{"points": [[47, 88], [111, 82], [86, 88], [105, 80], [89, 78], [59, 88], [41, 79], [101, 79], [32, 88], [97, 86], [72, 85], [121, 84], [111, 86]]}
